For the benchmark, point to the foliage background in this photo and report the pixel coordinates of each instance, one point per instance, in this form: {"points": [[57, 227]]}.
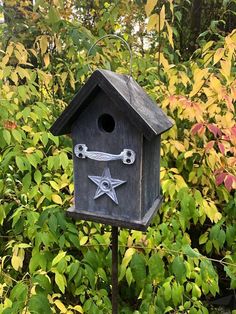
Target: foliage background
{"points": [[186, 259]]}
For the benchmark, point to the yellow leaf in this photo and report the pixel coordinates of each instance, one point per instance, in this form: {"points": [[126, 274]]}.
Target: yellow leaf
{"points": [[46, 60], [218, 55], [60, 306], [188, 154], [33, 52], [196, 87], [180, 147], [26, 128], [199, 74], [29, 150], [56, 199], [78, 308], [23, 72], [170, 34], [150, 5], [54, 185], [9, 50], [162, 18], [5, 59], [43, 42], [127, 258], [14, 77], [42, 198], [17, 258], [215, 84], [163, 61], [153, 19], [63, 77], [180, 183], [172, 8], [211, 211], [175, 170], [207, 45], [83, 240], [225, 68], [16, 262]]}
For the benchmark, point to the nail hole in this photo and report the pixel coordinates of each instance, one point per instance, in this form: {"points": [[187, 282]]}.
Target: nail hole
{"points": [[128, 161], [80, 155], [129, 153]]}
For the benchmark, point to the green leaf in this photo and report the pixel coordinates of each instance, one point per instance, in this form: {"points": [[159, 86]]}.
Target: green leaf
{"points": [[26, 181], [129, 276], [19, 292], [37, 177], [167, 291], [64, 161], [156, 267], [53, 15], [177, 293], [7, 136], [57, 259], [37, 260], [179, 269], [39, 304], [196, 291], [43, 282], [17, 135], [33, 161], [20, 163], [203, 238], [190, 252], [60, 281], [73, 269], [138, 269]]}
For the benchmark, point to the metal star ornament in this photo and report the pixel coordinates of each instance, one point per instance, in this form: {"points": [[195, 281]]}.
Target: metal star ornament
{"points": [[106, 185]]}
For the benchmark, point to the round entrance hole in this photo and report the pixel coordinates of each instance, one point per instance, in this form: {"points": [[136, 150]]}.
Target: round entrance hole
{"points": [[106, 123]]}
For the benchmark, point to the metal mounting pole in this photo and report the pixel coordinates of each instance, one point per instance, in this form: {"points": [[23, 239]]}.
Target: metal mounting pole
{"points": [[115, 289]]}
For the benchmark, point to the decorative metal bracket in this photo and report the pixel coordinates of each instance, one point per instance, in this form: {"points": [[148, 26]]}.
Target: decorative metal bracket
{"points": [[127, 155]]}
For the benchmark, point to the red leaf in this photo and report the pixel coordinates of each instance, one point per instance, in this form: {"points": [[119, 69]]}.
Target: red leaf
{"points": [[9, 125], [220, 178], [214, 129], [196, 127], [233, 130], [221, 148], [229, 103], [209, 145], [229, 182], [202, 131]]}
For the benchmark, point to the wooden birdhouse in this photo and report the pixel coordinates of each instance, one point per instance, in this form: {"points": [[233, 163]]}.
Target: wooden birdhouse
{"points": [[116, 131]]}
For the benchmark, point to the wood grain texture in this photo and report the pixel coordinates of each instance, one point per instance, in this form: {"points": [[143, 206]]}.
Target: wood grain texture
{"points": [[86, 131], [141, 224], [150, 172], [133, 101]]}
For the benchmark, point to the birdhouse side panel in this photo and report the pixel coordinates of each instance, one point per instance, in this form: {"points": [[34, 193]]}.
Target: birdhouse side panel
{"points": [[107, 181], [150, 173]]}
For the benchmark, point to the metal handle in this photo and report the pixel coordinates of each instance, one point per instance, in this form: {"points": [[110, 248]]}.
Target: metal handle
{"points": [[127, 155], [121, 39]]}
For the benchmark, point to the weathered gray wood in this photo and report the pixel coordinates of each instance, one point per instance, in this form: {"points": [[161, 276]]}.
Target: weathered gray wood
{"points": [[111, 113], [126, 93], [86, 131], [132, 224], [150, 172]]}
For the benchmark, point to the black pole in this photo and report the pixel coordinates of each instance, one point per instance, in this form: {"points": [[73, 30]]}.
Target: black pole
{"points": [[115, 289]]}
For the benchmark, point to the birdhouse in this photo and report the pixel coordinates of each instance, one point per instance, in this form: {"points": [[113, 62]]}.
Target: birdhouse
{"points": [[116, 132]]}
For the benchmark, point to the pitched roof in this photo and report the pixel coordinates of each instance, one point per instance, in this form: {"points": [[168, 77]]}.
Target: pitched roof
{"points": [[138, 107]]}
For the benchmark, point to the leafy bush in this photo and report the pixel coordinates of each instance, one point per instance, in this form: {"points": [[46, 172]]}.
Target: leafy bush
{"points": [[51, 264]]}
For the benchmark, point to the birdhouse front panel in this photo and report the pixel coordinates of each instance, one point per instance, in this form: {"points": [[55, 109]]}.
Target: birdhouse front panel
{"points": [[116, 130], [107, 153]]}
